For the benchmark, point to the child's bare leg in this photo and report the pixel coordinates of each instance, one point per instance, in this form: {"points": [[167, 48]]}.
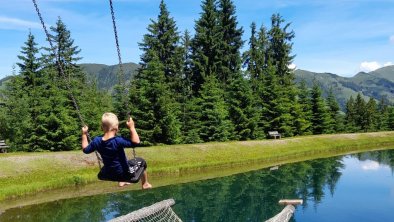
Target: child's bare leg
{"points": [[144, 181]]}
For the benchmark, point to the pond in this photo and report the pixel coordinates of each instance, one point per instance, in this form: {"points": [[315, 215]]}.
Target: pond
{"points": [[358, 187]]}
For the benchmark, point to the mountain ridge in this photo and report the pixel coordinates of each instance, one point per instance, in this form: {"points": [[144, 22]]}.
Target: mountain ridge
{"points": [[376, 84]]}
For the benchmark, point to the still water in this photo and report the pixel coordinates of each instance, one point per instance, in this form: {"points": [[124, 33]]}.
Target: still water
{"points": [[356, 187]]}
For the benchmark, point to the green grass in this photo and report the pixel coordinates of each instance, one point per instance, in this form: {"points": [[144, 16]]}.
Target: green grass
{"points": [[29, 173]]}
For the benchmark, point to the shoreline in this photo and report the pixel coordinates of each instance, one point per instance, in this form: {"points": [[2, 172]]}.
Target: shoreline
{"points": [[167, 164]]}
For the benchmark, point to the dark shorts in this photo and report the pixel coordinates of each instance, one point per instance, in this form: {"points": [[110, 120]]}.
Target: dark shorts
{"points": [[139, 162]]}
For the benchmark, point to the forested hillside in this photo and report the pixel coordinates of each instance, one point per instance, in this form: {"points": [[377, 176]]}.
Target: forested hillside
{"points": [[188, 88], [376, 84], [106, 76]]}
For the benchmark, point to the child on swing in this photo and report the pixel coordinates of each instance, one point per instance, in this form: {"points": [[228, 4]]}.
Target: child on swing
{"points": [[111, 149]]}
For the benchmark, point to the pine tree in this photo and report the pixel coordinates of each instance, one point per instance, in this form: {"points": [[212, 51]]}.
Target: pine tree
{"points": [[304, 102], [62, 125], [350, 117], [205, 48], [319, 111], [390, 119], [259, 74], [189, 111], [30, 74], [230, 43], [215, 125], [371, 115], [16, 102], [163, 38], [154, 108], [29, 65], [243, 110], [382, 117], [334, 123], [360, 114], [279, 52]]}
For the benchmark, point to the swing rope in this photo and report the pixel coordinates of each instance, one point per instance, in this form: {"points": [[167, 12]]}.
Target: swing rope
{"points": [[121, 74], [74, 101]]}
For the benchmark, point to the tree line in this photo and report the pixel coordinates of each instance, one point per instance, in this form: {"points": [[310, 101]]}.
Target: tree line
{"points": [[188, 89]]}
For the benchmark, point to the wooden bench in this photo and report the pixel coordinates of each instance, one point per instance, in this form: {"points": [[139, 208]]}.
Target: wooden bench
{"points": [[3, 146], [274, 134]]}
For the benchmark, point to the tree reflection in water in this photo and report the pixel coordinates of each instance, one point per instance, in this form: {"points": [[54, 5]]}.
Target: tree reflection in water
{"points": [[250, 196]]}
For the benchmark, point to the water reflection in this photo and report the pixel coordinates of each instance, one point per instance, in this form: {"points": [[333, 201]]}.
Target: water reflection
{"points": [[251, 196]]}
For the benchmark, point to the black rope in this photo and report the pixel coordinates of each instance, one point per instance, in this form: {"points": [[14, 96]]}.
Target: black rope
{"points": [[121, 76], [122, 79], [99, 160]]}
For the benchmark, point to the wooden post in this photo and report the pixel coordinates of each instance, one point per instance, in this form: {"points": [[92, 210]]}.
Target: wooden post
{"points": [[291, 202]]}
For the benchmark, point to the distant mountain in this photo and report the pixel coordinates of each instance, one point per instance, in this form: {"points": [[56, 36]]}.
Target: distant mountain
{"points": [[3, 81], [376, 84], [107, 76]]}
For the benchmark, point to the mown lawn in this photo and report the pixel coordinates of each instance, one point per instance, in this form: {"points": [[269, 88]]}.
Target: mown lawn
{"points": [[28, 173]]}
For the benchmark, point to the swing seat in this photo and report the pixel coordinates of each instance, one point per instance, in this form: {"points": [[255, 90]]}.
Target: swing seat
{"points": [[133, 176]]}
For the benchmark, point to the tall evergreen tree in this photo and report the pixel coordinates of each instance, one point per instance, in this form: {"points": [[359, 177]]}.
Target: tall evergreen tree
{"points": [[205, 48], [334, 121], [163, 38], [382, 117], [350, 117], [319, 110], [304, 101], [390, 118], [215, 125], [154, 106], [243, 110], [30, 64], [160, 82], [279, 52], [230, 43], [360, 114], [371, 113]]}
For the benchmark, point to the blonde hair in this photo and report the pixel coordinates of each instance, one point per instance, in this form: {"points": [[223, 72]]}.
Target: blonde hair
{"points": [[109, 121]]}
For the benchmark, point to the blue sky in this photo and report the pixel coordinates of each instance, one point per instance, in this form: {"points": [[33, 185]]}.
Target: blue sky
{"points": [[337, 36]]}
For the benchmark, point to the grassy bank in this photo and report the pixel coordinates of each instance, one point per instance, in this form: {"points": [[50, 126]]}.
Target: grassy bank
{"points": [[28, 173]]}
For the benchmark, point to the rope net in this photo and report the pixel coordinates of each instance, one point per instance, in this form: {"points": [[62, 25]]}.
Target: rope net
{"points": [[284, 215], [160, 211]]}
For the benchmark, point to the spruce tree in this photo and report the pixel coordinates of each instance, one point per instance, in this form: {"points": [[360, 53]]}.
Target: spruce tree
{"points": [[230, 43], [319, 111], [304, 102], [382, 117], [390, 118], [350, 117], [334, 123], [215, 125], [16, 101], [243, 110], [32, 80], [371, 115], [154, 107], [279, 52], [205, 48], [163, 38], [30, 64], [360, 112]]}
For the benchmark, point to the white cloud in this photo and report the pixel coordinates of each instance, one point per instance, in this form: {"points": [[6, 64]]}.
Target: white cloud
{"points": [[372, 66], [369, 66], [392, 39], [15, 23], [370, 165], [292, 66], [388, 64]]}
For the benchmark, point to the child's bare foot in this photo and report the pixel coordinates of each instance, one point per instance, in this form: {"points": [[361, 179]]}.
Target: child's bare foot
{"points": [[122, 184], [146, 185]]}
